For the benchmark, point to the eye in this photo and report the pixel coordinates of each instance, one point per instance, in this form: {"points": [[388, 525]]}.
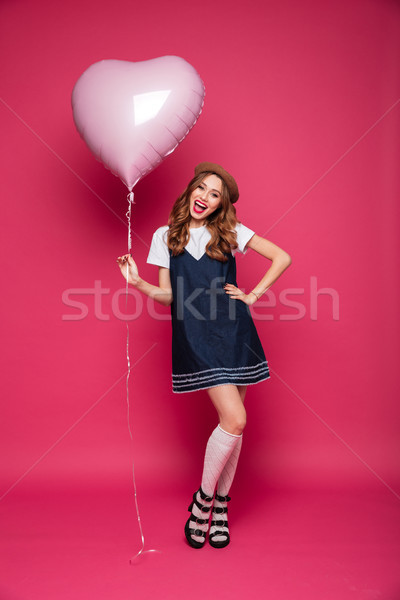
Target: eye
{"points": [[215, 195], [201, 186]]}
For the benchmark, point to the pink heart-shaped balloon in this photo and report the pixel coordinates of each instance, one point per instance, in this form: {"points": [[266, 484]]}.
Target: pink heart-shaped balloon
{"points": [[132, 115]]}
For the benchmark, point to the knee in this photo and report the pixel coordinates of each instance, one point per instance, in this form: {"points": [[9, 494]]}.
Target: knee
{"points": [[235, 424], [239, 427]]}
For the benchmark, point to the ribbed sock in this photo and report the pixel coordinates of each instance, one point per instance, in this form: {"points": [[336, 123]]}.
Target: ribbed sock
{"points": [[223, 487]]}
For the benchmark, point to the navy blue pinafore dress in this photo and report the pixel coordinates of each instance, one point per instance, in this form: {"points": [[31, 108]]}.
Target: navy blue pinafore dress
{"points": [[214, 339]]}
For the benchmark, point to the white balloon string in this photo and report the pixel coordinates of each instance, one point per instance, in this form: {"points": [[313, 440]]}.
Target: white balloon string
{"points": [[130, 199]]}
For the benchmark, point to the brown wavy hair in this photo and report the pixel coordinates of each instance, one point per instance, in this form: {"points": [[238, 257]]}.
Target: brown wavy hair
{"points": [[220, 223]]}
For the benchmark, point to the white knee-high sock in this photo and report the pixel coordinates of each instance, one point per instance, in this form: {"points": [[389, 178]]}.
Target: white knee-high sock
{"points": [[219, 448], [223, 487], [226, 478]]}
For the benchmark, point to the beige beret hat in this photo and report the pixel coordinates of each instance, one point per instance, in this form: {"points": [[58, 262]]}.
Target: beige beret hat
{"points": [[208, 167]]}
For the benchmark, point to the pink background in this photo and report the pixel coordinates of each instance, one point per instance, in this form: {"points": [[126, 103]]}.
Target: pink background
{"points": [[302, 106]]}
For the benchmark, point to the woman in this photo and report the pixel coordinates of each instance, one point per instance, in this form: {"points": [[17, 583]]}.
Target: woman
{"points": [[215, 346]]}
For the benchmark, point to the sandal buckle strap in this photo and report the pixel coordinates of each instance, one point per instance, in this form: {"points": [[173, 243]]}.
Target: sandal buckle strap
{"points": [[222, 498], [204, 509], [197, 520], [220, 510], [197, 532], [204, 496], [219, 523]]}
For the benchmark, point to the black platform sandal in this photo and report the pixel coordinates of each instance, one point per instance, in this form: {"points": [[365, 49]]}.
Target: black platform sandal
{"points": [[189, 531], [220, 510]]}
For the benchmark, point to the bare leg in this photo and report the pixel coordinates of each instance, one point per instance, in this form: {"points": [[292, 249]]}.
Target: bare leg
{"points": [[242, 391], [228, 401]]}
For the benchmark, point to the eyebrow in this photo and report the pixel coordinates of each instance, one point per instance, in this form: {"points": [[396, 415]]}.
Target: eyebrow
{"points": [[212, 189]]}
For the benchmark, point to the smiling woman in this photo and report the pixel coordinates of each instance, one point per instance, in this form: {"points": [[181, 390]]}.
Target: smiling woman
{"points": [[205, 199], [215, 345]]}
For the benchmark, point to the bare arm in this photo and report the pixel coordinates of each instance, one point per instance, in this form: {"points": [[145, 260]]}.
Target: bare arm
{"points": [[161, 293], [281, 260]]}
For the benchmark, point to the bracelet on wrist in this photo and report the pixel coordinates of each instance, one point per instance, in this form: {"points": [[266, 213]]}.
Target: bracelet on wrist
{"points": [[255, 295]]}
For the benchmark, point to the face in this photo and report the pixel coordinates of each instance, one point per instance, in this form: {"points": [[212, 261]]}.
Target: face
{"points": [[205, 199]]}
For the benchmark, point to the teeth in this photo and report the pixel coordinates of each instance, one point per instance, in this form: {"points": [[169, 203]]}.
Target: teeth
{"points": [[200, 205]]}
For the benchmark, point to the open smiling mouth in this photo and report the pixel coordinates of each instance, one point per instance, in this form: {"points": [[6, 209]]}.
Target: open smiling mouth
{"points": [[199, 207]]}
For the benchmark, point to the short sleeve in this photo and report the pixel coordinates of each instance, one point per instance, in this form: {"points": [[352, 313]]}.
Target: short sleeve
{"points": [[244, 235], [159, 253]]}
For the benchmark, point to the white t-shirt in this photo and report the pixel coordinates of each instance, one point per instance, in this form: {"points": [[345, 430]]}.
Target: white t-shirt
{"points": [[196, 246]]}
